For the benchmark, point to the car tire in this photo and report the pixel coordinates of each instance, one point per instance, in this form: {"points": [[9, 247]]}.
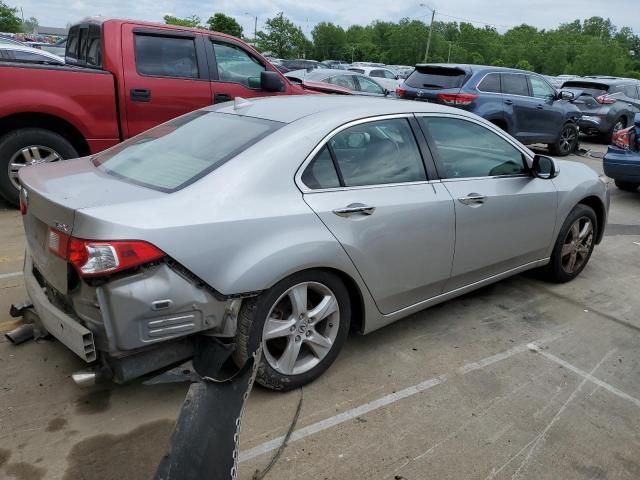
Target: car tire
{"points": [[575, 242], [627, 186], [620, 123], [567, 142], [39, 142], [294, 327]]}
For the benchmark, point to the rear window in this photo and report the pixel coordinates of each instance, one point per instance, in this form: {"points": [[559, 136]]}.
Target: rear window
{"points": [[357, 70], [177, 153], [436, 78], [591, 88], [84, 46]]}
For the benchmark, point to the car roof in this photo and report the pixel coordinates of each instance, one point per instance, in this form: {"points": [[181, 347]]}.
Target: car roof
{"points": [[327, 72], [332, 108], [368, 69], [473, 68], [42, 53], [609, 81]]}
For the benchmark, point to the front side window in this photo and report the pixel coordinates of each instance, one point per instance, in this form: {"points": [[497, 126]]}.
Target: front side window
{"points": [[237, 66], [177, 153], [468, 150], [377, 73], [514, 84], [540, 88], [160, 56], [345, 81], [369, 86], [378, 152]]}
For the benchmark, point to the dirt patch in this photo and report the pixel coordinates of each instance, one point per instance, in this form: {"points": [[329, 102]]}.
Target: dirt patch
{"points": [[4, 456], [25, 471], [93, 402], [130, 456], [56, 424]]}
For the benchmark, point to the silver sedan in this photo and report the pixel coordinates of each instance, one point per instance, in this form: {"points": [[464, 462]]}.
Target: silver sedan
{"points": [[291, 221]]}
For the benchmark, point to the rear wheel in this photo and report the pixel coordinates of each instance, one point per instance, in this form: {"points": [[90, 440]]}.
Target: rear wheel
{"points": [[29, 146], [574, 245], [627, 186], [302, 322], [567, 142], [619, 124]]}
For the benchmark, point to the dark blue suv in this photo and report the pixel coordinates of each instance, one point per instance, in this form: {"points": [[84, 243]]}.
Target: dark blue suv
{"points": [[522, 103]]}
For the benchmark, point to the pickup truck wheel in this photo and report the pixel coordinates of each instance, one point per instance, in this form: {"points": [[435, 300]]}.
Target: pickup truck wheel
{"points": [[627, 186], [29, 146], [302, 322], [567, 142]]}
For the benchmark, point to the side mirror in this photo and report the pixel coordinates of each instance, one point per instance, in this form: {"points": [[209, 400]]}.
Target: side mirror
{"points": [[545, 167], [564, 95], [271, 82], [636, 121]]}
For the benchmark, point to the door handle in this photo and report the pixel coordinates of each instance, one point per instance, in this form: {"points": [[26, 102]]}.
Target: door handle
{"points": [[540, 107], [353, 209], [473, 199], [509, 102], [140, 95], [221, 98]]}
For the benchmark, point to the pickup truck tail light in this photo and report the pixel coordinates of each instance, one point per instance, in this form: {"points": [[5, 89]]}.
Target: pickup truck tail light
{"points": [[95, 258], [605, 100], [401, 92], [457, 99]]}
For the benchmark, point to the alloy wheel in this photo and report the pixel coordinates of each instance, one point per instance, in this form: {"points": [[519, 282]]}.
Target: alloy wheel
{"points": [[31, 155], [619, 125], [568, 139], [577, 245], [301, 328]]}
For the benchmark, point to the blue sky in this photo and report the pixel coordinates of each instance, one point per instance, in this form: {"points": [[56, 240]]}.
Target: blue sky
{"points": [[306, 13]]}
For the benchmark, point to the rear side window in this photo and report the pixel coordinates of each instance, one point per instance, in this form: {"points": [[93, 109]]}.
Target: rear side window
{"points": [[630, 91], [237, 66], [321, 172], [377, 73], [377, 153], [345, 81], [436, 78], [358, 70], [490, 83], [160, 56], [177, 153], [515, 84]]}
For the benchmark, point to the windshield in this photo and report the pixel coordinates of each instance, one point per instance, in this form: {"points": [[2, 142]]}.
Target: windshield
{"points": [[177, 153], [436, 78]]}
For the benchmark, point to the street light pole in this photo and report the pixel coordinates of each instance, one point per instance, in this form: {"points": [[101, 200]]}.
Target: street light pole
{"points": [[426, 53], [255, 25], [449, 57]]}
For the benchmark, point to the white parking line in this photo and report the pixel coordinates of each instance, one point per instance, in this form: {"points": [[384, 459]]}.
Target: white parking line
{"points": [[10, 275], [585, 375], [383, 402]]}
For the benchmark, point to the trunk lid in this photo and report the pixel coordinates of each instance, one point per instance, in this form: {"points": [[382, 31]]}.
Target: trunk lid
{"points": [[53, 193]]}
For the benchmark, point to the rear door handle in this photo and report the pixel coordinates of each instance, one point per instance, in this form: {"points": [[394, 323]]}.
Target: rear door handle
{"points": [[509, 102], [473, 199], [221, 98], [140, 95], [540, 107], [353, 209]]}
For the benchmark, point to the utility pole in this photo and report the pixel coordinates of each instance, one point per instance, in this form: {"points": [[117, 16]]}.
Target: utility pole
{"points": [[433, 15], [449, 57], [255, 28]]}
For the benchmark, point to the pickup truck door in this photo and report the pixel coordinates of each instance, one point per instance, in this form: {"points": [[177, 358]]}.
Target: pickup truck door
{"points": [[165, 76], [235, 71]]}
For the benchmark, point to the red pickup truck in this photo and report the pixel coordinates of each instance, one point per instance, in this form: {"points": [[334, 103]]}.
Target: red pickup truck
{"points": [[121, 78]]}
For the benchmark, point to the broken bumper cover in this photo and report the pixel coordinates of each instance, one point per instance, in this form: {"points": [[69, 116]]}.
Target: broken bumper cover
{"points": [[134, 313]]}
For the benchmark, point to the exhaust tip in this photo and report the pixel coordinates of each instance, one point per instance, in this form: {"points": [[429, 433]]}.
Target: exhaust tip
{"points": [[21, 334], [84, 378]]}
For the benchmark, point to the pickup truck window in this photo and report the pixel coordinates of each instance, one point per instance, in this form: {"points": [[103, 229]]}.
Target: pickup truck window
{"points": [[177, 153], [160, 56], [236, 65]]}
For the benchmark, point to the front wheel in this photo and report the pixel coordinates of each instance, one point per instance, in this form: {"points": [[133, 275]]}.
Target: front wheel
{"points": [[574, 245], [627, 186], [302, 322], [567, 142], [28, 146]]}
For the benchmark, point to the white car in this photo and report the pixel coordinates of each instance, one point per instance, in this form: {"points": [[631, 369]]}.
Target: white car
{"points": [[383, 76], [17, 53]]}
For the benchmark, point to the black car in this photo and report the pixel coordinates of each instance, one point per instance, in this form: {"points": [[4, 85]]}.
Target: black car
{"points": [[522, 103], [608, 104]]}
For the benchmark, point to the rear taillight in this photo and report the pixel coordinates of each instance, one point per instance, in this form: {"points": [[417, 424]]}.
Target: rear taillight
{"points": [[401, 92], [605, 100], [622, 138], [457, 99], [93, 258]]}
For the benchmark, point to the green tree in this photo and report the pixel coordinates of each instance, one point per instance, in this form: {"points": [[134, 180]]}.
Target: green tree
{"points": [[9, 21], [220, 22], [282, 38], [524, 65], [329, 41], [192, 22], [30, 25]]}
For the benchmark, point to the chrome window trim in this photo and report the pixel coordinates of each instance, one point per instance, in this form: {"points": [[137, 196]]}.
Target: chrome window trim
{"points": [[306, 190]]}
